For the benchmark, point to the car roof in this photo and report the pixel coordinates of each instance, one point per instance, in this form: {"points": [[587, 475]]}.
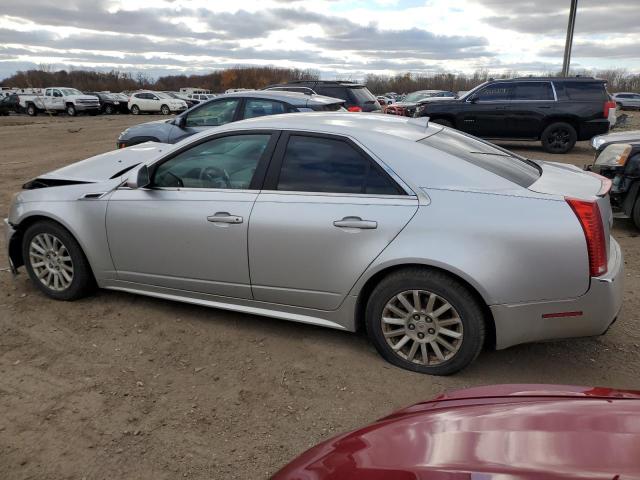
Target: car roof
{"points": [[297, 99], [549, 79]]}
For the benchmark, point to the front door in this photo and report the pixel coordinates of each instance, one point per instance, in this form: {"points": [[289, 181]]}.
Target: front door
{"points": [[327, 211], [486, 112], [188, 231], [211, 114]]}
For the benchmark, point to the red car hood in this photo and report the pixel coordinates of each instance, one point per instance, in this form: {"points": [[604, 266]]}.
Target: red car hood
{"points": [[503, 432]]}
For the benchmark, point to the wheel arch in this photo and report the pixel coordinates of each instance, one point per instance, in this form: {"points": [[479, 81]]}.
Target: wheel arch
{"points": [[573, 121], [368, 284]]}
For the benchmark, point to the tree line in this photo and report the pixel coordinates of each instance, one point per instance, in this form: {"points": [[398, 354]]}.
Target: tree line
{"points": [[259, 77]]}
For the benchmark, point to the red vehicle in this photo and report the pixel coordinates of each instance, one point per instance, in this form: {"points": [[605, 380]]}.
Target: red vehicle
{"points": [[498, 432]]}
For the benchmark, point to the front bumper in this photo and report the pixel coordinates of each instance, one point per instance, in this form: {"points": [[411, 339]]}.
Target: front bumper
{"points": [[9, 233], [86, 107], [588, 315]]}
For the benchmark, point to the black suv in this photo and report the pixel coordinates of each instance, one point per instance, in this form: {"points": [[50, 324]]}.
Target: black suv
{"points": [[357, 97], [557, 111]]}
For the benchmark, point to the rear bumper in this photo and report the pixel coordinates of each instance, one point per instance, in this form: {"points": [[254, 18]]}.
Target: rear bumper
{"points": [[592, 128], [589, 315]]}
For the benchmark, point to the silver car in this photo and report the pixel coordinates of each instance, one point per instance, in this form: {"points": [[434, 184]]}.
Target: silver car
{"points": [[627, 99], [435, 242]]}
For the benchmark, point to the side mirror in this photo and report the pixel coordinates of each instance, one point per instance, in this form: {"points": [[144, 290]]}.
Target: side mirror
{"points": [[139, 178], [181, 121], [473, 100]]}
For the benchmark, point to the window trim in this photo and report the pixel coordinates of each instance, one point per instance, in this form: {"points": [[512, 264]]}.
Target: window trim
{"points": [[273, 173], [261, 168]]}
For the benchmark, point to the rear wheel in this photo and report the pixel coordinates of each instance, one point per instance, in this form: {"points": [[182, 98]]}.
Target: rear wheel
{"points": [[55, 262], [559, 137], [443, 122], [32, 111], [135, 109], [636, 213], [425, 321], [165, 110]]}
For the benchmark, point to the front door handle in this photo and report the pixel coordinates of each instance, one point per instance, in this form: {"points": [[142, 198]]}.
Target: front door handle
{"points": [[224, 217], [355, 222]]}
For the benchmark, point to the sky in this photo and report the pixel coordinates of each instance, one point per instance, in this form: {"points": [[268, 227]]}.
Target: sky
{"points": [[337, 39]]}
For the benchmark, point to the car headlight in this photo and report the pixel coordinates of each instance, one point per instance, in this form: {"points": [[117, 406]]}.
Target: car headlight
{"points": [[615, 155], [596, 142]]}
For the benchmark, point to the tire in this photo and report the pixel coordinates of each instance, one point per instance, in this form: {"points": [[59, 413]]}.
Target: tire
{"points": [[135, 110], [71, 110], [443, 122], [32, 111], [559, 137], [463, 305], [165, 110], [81, 281], [636, 213], [108, 109]]}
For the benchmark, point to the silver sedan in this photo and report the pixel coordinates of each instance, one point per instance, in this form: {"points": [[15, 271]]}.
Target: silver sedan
{"points": [[435, 242]]}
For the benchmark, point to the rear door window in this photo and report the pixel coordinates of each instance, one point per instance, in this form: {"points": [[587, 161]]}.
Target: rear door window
{"points": [[482, 154], [316, 164], [257, 107], [533, 91]]}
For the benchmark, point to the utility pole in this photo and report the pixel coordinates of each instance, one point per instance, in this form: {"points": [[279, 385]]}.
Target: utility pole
{"points": [[567, 47]]}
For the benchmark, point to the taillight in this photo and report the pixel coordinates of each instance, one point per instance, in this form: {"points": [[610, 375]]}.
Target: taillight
{"points": [[588, 214], [608, 105], [354, 109]]}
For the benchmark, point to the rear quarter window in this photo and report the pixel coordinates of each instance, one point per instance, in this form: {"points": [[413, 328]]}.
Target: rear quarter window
{"points": [[482, 154], [582, 91], [361, 95], [335, 92]]}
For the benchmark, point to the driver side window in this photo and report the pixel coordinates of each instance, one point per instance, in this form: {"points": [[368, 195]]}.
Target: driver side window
{"points": [[226, 162], [213, 114]]}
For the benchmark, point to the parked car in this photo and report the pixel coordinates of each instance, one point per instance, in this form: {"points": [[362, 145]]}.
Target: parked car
{"points": [[60, 99], [357, 97], [501, 431], [226, 108], [411, 102], [155, 102], [620, 162], [384, 101], [9, 103], [111, 103], [627, 100], [178, 96], [238, 216], [556, 111], [600, 142]]}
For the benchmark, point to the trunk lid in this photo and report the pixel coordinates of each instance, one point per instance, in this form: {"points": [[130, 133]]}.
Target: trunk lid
{"points": [[566, 180]]}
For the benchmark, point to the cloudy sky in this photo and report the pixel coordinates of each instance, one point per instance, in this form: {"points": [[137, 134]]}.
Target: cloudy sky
{"points": [[340, 39]]}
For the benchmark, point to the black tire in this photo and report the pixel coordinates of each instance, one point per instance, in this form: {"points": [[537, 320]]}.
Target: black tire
{"points": [[32, 111], [445, 286], [135, 110], [559, 137], [71, 110], [444, 122], [636, 213], [165, 110], [82, 280], [108, 109]]}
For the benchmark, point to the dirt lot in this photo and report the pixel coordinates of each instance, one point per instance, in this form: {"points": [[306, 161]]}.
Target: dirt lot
{"points": [[123, 386]]}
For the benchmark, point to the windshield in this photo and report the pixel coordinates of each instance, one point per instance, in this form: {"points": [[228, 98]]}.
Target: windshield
{"points": [[472, 91], [416, 96], [70, 91], [499, 161]]}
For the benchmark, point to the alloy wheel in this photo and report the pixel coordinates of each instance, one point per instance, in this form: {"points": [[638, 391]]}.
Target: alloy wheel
{"points": [[422, 327], [51, 262], [559, 139]]}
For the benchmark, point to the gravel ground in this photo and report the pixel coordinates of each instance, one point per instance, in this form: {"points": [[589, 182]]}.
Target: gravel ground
{"points": [[123, 386]]}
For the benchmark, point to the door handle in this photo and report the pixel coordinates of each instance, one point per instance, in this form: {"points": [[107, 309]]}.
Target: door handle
{"points": [[224, 217], [355, 222]]}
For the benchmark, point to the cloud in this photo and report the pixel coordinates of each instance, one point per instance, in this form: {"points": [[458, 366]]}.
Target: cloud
{"points": [[595, 50]]}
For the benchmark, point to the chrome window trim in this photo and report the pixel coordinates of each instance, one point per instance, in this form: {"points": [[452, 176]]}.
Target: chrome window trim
{"points": [[334, 195]]}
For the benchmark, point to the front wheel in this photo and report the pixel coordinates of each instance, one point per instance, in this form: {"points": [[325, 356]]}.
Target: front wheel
{"points": [[55, 262], [108, 109], [425, 321], [71, 110], [636, 213], [135, 110], [165, 110], [559, 137]]}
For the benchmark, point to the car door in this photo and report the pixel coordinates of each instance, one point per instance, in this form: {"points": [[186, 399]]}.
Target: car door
{"points": [[326, 212], [205, 116], [485, 113], [188, 230], [530, 106]]}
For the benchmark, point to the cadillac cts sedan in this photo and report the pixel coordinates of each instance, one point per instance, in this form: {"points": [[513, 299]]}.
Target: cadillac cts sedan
{"points": [[501, 432], [435, 242]]}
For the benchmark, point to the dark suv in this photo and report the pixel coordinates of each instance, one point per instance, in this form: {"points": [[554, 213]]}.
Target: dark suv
{"points": [[556, 111], [357, 97]]}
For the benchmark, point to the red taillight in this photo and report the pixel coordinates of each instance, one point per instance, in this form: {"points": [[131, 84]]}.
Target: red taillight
{"points": [[588, 214], [354, 109], [608, 105]]}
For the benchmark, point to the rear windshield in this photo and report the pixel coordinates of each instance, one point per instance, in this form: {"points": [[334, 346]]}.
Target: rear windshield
{"points": [[485, 155], [331, 107], [361, 95]]}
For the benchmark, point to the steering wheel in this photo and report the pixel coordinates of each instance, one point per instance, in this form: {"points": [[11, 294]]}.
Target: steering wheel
{"points": [[215, 176]]}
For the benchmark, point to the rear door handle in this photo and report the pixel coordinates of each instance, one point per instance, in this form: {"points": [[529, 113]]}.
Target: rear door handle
{"points": [[224, 217], [355, 222]]}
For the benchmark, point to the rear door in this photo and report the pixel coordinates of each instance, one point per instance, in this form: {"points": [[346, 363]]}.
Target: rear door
{"points": [[326, 212], [485, 114], [531, 104], [205, 116]]}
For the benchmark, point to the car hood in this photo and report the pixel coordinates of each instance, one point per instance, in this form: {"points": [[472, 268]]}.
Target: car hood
{"points": [[108, 165], [616, 137], [529, 432]]}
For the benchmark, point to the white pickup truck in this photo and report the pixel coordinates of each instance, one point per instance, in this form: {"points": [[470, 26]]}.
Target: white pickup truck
{"points": [[60, 99]]}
